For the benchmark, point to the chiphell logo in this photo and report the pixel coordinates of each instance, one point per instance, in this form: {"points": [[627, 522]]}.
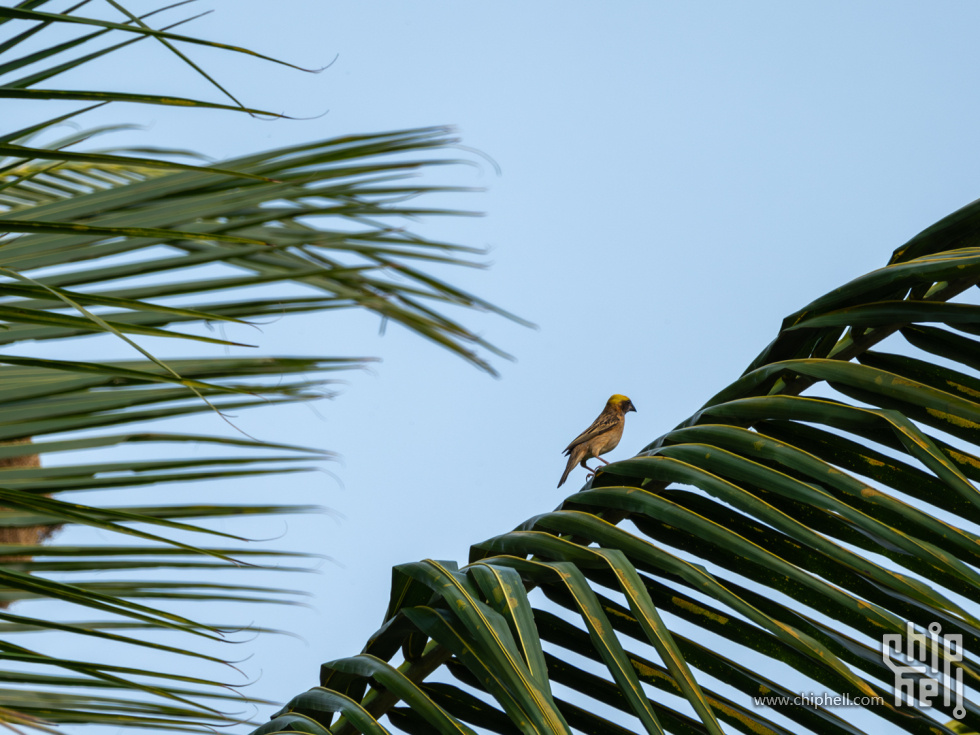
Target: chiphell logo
{"points": [[924, 669]]}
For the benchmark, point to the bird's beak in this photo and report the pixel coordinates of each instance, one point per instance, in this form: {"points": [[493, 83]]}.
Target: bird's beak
{"points": [[631, 407]]}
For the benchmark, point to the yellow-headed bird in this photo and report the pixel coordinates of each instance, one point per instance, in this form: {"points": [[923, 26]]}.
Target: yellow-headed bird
{"points": [[601, 437]]}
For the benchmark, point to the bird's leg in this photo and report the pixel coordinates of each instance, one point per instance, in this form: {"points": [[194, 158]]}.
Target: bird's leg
{"points": [[592, 472]]}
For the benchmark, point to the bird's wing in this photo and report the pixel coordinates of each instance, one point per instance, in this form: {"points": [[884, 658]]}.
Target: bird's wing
{"points": [[601, 425]]}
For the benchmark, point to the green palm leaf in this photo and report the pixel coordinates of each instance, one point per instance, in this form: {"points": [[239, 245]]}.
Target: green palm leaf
{"points": [[824, 499], [126, 244]]}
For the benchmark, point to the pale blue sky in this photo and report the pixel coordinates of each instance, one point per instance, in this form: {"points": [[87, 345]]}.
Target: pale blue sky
{"points": [[676, 178]]}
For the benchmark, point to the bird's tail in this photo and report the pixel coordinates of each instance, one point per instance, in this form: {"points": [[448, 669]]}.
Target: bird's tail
{"points": [[564, 475]]}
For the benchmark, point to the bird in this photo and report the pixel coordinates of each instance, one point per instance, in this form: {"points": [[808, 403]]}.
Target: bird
{"points": [[601, 437]]}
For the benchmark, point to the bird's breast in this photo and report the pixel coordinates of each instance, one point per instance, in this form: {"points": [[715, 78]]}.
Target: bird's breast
{"points": [[608, 441]]}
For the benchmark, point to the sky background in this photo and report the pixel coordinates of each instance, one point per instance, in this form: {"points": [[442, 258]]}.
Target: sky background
{"points": [[675, 178]]}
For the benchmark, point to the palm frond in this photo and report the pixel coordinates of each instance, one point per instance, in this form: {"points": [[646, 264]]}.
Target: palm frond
{"points": [[126, 244], [763, 548]]}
